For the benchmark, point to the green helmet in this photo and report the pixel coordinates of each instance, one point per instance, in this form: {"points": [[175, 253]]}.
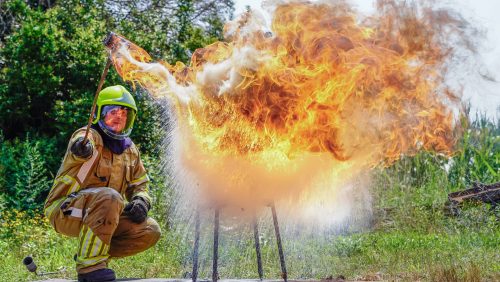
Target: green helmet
{"points": [[114, 104]]}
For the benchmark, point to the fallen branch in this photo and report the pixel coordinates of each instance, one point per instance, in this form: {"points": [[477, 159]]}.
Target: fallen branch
{"points": [[479, 193]]}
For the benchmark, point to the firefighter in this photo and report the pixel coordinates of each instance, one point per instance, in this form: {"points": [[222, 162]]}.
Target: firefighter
{"points": [[100, 193]]}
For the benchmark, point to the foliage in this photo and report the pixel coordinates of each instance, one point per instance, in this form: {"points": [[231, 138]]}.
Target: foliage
{"points": [[10, 14], [51, 58], [478, 159], [151, 125], [24, 173], [415, 189], [50, 61], [170, 30], [18, 226]]}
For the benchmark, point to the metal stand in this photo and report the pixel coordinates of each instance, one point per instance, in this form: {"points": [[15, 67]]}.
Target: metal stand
{"points": [[196, 244], [284, 274], [215, 258], [257, 246]]}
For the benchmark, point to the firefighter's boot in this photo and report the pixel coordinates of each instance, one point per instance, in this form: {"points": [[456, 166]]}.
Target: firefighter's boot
{"points": [[100, 275]]}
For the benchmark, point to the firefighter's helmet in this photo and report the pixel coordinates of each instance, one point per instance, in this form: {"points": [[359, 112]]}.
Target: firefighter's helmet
{"points": [[114, 103]]}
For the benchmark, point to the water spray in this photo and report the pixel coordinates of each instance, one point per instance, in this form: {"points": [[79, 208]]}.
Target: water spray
{"points": [[32, 267]]}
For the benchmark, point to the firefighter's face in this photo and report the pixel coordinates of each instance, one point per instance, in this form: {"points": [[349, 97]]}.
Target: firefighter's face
{"points": [[116, 119]]}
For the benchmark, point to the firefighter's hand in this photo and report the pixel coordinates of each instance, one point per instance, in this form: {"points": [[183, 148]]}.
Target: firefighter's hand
{"points": [[137, 210], [80, 150]]}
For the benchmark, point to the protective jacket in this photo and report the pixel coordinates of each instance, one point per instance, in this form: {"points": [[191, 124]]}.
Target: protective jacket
{"points": [[124, 173]]}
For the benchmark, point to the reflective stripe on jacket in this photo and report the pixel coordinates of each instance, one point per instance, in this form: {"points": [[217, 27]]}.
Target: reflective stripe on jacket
{"points": [[124, 172]]}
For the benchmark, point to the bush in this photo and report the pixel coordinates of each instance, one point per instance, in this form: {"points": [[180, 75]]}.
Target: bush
{"points": [[24, 173]]}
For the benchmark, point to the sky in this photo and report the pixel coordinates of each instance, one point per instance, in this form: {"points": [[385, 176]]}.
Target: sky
{"points": [[485, 14]]}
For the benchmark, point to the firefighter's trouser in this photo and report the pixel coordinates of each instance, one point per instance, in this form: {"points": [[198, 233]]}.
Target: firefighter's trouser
{"points": [[94, 215]]}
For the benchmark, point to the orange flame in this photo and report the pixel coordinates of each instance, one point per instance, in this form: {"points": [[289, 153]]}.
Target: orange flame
{"points": [[320, 84]]}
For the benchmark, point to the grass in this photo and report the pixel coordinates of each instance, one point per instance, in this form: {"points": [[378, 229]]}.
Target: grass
{"points": [[22, 235], [411, 237], [387, 255]]}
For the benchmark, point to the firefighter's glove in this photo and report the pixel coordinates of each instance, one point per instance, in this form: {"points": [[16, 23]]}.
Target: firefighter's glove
{"points": [[82, 150], [137, 210]]}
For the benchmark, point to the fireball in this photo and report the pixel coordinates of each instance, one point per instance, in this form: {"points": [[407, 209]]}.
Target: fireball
{"points": [[296, 112]]}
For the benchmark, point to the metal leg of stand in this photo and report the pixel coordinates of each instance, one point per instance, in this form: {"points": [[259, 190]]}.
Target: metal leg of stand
{"points": [[196, 244], [215, 274], [257, 246], [280, 247]]}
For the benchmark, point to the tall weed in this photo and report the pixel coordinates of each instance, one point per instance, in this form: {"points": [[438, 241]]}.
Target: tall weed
{"points": [[25, 177], [478, 157]]}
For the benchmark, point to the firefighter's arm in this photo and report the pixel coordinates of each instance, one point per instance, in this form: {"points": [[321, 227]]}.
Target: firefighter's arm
{"points": [[138, 186]]}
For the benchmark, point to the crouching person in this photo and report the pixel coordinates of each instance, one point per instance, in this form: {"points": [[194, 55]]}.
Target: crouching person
{"points": [[100, 193]]}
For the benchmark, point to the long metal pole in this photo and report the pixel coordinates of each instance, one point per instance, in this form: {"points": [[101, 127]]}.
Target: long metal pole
{"points": [[215, 274], [257, 246], [196, 244], [99, 87], [284, 274]]}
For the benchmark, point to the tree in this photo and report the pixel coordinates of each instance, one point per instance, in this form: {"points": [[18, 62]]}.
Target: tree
{"points": [[167, 29], [54, 58], [51, 61]]}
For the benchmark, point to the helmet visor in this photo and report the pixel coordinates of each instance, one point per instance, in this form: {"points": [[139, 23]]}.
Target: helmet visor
{"points": [[117, 121]]}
